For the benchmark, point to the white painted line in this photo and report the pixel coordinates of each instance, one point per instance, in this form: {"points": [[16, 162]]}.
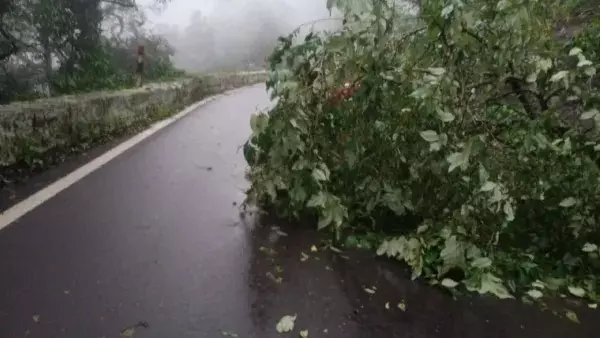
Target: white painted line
{"points": [[17, 211]]}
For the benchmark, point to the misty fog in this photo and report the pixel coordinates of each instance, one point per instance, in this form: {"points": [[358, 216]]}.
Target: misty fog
{"points": [[231, 34]]}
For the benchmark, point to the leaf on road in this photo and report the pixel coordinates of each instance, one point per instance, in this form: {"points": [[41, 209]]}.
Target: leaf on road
{"points": [[36, 318], [304, 257], [402, 306], [268, 251], [286, 324], [229, 334], [334, 249], [593, 306], [387, 305], [304, 333], [370, 291], [272, 277], [128, 332], [449, 283], [313, 249], [572, 316]]}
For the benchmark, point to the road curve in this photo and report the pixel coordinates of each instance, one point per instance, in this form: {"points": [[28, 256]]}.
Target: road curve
{"points": [[152, 245]]}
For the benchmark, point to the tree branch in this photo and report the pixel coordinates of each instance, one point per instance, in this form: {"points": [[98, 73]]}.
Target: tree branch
{"points": [[13, 45]]}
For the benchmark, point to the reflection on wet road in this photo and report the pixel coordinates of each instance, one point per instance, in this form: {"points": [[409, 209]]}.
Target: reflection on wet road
{"points": [[153, 245]]}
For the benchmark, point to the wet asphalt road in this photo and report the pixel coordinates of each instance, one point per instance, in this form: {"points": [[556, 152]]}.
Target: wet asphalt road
{"points": [[155, 237]]}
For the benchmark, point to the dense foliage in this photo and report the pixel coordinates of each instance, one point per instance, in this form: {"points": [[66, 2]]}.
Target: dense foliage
{"points": [[464, 143], [50, 47]]}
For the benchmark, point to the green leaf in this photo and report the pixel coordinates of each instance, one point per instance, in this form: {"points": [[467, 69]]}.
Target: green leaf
{"points": [[589, 247], [502, 5], [452, 254], [575, 51], [393, 248], [492, 284], [488, 186], [583, 63], [589, 114], [429, 135], [317, 200], [447, 11], [508, 210], [325, 221], [420, 93], [445, 116], [336, 44], [535, 294], [544, 64], [481, 263], [449, 283], [568, 202], [319, 175], [435, 146], [455, 160], [559, 76], [590, 71], [422, 228], [258, 123], [538, 284], [437, 71], [576, 291]]}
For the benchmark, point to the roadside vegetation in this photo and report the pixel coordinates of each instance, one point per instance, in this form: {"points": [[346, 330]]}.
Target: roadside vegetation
{"points": [[56, 47], [50, 48], [461, 139]]}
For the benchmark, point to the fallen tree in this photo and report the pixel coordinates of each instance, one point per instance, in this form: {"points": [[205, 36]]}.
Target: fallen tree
{"points": [[465, 143]]}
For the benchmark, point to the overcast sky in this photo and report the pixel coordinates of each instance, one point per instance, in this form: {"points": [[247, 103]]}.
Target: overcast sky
{"points": [[223, 34], [229, 33], [178, 12]]}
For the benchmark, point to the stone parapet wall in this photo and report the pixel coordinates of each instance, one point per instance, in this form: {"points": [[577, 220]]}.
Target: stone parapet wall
{"points": [[30, 129]]}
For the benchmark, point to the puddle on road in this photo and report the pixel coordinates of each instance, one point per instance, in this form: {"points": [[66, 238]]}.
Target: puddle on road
{"points": [[355, 294]]}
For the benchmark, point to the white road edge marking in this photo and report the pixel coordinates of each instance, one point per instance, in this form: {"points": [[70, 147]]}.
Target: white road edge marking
{"points": [[17, 211]]}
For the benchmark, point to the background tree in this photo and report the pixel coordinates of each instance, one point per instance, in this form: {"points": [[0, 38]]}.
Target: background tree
{"points": [[64, 46]]}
